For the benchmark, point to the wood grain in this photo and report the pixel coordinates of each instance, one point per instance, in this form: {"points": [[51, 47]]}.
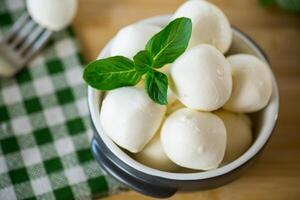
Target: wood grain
{"points": [[276, 175]]}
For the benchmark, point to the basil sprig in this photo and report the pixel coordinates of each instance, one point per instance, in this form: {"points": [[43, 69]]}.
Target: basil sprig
{"points": [[163, 48]]}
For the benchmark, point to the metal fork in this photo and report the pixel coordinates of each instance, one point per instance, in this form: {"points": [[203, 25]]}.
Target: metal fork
{"points": [[22, 42]]}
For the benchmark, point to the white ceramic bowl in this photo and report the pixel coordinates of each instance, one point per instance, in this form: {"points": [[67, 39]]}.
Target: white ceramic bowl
{"points": [[114, 160]]}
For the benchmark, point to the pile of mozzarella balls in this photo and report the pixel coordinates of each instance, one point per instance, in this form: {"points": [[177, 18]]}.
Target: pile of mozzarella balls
{"points": [[203, 125]]}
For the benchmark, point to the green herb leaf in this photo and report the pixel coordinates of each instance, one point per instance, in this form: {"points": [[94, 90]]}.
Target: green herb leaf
{"points": [[289, 5], [143, 61], [111, 73], [156, 84], [266, 2], [171, 42]]}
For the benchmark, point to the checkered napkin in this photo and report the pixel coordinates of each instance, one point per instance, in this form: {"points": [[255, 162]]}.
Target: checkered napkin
{"points": [[44, 126]]}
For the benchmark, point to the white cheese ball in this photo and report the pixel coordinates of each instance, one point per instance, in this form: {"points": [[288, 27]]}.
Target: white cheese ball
{"points": [[153, 155], [210, 25], [193, 139], [52, 14], [132, 39], [252, 84], [201, 78], [239, 134], [130, 118]]}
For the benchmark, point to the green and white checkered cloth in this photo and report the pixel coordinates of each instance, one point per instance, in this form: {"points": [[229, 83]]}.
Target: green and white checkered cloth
{"points": [[44, 125]]}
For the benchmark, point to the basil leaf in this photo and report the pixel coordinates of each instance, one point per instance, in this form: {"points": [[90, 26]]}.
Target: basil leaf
{"points": [[171, 42], [266, 2], [156, 84], [143, 61], [289, 5], [111, 73]]}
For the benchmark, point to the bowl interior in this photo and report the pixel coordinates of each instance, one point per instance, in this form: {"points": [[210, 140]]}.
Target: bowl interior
{"points": [[264, 121]]}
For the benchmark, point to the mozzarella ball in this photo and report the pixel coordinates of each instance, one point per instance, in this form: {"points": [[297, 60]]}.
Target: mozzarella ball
{"points": [[239, 135], [154, 156], [193, 139], [252, 84], [130, 118], [210, 25], [201, 78], [132, 39], [52, 14]]}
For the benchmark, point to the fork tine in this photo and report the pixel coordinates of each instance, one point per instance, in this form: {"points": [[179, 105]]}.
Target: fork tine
{"points": [[30, 39], [16, 27], [22, 34], [37, 45]]}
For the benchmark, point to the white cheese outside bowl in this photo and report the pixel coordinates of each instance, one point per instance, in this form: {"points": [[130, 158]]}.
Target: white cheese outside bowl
{"points": [[153, 155], [132, 39], [193, 139], [52, 14], [239, 134], [130, 118], [201, 78], [210, 25], [252, 84]]}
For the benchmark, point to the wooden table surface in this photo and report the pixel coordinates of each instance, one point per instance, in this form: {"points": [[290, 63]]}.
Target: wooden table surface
{"points": [[276, 175]]}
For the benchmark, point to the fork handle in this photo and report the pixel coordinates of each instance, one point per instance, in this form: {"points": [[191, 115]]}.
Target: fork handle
{"points": [[6, 70]]}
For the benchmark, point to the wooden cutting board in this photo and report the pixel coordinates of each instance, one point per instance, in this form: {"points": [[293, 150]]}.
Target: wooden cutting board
{"points": [[276, 175]]}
